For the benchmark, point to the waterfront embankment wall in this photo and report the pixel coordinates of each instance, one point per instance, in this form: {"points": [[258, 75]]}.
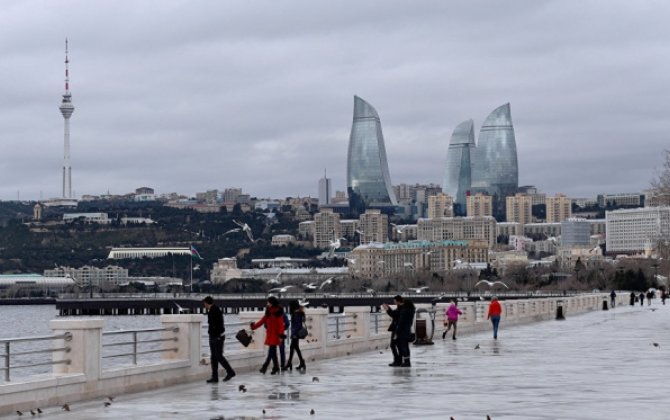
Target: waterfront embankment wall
{"points": [[79, 373]]}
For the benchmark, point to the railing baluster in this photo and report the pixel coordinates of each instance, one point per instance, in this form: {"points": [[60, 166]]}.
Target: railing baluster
{"points": [[7, 361], [135, 347]]}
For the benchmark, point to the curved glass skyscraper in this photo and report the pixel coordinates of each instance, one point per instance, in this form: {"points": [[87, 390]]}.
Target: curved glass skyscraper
{"points": [[457, 174], [494, 162], [368, 179]]}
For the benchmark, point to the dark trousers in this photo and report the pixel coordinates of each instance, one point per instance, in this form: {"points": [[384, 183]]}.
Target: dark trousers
{"points": [[272, 355], [403, 348], [295, 348], [216, 352], [282, 353], [394, 350]]}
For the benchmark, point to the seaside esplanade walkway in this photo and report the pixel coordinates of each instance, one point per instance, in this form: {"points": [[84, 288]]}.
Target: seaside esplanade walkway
{"points": [[600, 365]]}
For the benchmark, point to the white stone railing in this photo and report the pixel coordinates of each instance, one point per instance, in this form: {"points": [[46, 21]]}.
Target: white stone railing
{"points": [[329, 336]]}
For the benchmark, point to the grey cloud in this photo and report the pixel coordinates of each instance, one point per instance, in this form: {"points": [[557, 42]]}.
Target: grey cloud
{"points": [[185, 96]]}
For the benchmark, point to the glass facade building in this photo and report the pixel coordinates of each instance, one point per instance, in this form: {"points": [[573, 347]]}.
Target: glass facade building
{"points": [[494, 161], [368, 179], [457, 173]]}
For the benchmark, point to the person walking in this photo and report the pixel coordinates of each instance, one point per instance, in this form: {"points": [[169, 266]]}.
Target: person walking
{"points": [[393, 313], [273, 320], [216, 332], [641, 298], [650, 295], [297, 324], [613, 299], [494, 315], [664, 296], [451, 318], [632, 298]]}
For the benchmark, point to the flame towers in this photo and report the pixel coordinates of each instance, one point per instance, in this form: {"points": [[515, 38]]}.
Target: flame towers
{"points": [[489, 167], [457, 177], [66, 109], [368, 179]]}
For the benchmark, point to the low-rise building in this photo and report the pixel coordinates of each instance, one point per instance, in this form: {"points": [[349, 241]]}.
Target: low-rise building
{"points": [[282, 240], [100, 218], [376, 260]]}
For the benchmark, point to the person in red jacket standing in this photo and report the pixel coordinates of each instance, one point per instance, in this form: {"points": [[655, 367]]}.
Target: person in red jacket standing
{"points": [[273, 320], [494, 315]]}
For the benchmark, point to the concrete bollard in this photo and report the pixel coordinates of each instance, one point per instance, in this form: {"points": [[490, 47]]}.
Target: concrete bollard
{"points": [[605, 308], [559, 311]]}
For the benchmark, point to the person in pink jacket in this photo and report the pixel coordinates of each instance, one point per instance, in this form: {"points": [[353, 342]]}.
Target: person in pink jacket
{"points": [[451, 318]]}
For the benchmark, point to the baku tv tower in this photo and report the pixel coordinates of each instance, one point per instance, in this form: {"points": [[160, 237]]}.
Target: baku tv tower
{"points": [[66, 108]]}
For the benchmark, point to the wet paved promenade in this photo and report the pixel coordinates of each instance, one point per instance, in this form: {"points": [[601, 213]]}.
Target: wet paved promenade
{"points": [[601, 365]]}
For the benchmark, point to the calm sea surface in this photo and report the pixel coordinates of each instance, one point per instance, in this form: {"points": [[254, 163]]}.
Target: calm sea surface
{"points": [[32, 320]]}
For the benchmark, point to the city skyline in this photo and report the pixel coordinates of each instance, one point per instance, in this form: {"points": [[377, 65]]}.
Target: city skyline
{"points": [[187, 98]]}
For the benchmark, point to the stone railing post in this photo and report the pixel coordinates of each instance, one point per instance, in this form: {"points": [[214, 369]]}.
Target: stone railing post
{"points": [[85, 345], [189, 337], [317, 325], [361, 315]]}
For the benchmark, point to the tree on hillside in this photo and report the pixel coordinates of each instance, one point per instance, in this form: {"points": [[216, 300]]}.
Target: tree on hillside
{"points": [[660, 186]]}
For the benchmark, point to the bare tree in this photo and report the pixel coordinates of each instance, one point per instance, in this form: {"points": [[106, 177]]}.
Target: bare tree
{"points": [[660, 184]]}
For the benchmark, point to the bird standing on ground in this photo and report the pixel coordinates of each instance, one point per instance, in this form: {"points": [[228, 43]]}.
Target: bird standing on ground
{"points": [[315, 379], [242, 388], [19, 413], [107, 403], [656, 345], [477, 347], [66, 407], [312, 412], [39, 411]]}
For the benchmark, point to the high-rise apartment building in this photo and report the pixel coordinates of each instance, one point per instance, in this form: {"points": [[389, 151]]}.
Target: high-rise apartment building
{"points": [[373, 226], [575, 231], [368, 178], [479, 205], [440, 205], [494, 161], [458, 228], [230, 195], [458, 169], [558, 209], [326, 228], [519, 209], [325, 190], [635, 230]]}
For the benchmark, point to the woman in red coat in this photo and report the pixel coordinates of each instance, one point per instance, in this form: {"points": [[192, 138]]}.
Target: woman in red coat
{"points": [[273, 320]]}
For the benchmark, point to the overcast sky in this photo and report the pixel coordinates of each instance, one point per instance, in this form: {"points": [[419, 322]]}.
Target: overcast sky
{"points": [[187, 96]]}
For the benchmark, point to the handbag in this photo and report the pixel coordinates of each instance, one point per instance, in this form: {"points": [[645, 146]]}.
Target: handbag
{"points": [[302, 333], [243, 337]]}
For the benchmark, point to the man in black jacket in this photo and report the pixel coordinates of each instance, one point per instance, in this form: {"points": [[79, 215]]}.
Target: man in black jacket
{"points": [[403, 330], [216, 332], [393, 313]]}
